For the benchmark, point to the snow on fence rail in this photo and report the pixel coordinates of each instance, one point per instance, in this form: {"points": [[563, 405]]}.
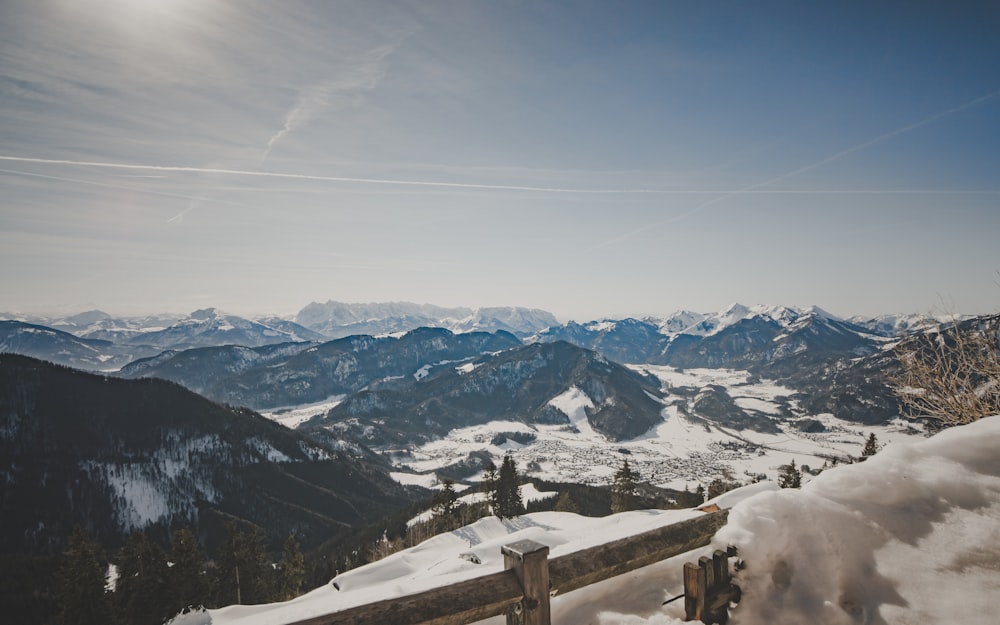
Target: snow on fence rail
{"points": [[523, 589]]}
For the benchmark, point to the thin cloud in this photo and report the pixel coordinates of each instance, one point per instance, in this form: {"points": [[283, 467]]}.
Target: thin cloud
{"points": [[104, 184], [795, 172], [346, 90]]}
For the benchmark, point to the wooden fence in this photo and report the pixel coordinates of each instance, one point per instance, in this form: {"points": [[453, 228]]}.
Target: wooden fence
{"points": [[523, 589]]}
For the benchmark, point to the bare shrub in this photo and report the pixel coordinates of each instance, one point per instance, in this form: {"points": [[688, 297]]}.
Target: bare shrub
{"points": [[950, 373]]}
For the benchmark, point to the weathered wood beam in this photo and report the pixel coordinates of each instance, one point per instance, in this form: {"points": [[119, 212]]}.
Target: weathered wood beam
{"points": [[582, 568], [465, 602]]}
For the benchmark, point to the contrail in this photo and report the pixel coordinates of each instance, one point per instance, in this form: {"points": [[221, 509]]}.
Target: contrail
{"points": [[752, 190], [796, 172], [375, 181]]}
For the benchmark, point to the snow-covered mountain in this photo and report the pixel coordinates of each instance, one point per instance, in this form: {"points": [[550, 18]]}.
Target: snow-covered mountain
{"points": [[63, 348], [97, 324], [736, 337], [529, 384], [800, 347], [116, 456], [209, 327], [292, 374], [338, 319], [896, 325], [94, 340]]}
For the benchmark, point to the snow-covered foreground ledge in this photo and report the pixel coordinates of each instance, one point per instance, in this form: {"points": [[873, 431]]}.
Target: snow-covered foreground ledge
{"points": [[910, 536]]}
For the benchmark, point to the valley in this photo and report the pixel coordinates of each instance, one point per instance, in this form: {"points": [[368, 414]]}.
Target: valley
{"points": [[683, 451]]}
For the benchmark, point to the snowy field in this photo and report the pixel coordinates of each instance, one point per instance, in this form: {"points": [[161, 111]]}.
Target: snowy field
{"points": [[677, 453], [908, 537], [293, 416]]}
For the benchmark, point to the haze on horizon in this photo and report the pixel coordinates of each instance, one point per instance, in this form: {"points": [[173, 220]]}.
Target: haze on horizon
{"points": [[591, 159]]}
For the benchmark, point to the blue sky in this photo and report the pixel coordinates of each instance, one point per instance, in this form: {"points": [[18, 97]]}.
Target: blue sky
{"points": [[589, 158]]}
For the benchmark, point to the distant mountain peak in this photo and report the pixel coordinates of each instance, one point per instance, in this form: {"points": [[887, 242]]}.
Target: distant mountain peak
{"points": [[338, 319], [204, 314]]}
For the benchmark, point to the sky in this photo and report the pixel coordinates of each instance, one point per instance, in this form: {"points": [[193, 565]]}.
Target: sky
{"points": [[593, 159]]}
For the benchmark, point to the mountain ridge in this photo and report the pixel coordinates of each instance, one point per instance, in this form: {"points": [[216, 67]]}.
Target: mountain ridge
{"points": [[114, 456]]}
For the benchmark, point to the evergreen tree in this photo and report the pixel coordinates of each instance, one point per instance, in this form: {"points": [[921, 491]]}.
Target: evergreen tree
{"points": [[491, 483], [624, 494], [293, 569], [719, 486], [445, 501], [871, 447], [80, 585], [187, 575], [789, 476], [509, 490], [699, 494], [566, 504], [241, 568], [142, 591]]}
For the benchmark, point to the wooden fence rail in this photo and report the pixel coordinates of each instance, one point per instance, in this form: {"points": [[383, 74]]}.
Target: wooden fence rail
{"points": [[522, 591]]}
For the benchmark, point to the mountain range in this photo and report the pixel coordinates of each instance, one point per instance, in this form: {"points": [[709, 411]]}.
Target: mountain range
{"points": [[337, 319], [299, 373], [136, 447], [521, 383], [837, 365]]}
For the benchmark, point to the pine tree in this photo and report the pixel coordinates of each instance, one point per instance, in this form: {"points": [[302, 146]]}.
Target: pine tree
{"points": [[509, 490], [566, 504], [491, 488], [871, 447], [789, 476], [187, 575], [687, 499], [241, 568], [80, 585], [699, 494], [624, 494], [293, 569], [445, 501], [142, 590]]}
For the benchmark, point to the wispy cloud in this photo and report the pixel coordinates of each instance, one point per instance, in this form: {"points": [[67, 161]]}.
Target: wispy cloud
{"points": [[355, 79], [107, 185]]}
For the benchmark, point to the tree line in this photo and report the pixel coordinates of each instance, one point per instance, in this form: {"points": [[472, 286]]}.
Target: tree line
{"points": [[146, 585]]}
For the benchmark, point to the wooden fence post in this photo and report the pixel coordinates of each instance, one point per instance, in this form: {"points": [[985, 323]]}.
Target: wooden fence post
{"points": [[530, 561], [695, 588], [708, 589]]}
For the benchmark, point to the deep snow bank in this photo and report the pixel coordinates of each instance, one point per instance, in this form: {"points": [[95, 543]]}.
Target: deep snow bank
{"points": [[910, 536]]}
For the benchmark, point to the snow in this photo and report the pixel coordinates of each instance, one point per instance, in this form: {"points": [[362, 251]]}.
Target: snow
{"points": [[422, 372], [908, 537], [574, 403], [293, 416], [677, 453], [427, 480], [529, 493]]}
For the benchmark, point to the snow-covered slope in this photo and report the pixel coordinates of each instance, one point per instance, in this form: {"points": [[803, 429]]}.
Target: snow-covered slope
{"points": [[908, 537]]}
